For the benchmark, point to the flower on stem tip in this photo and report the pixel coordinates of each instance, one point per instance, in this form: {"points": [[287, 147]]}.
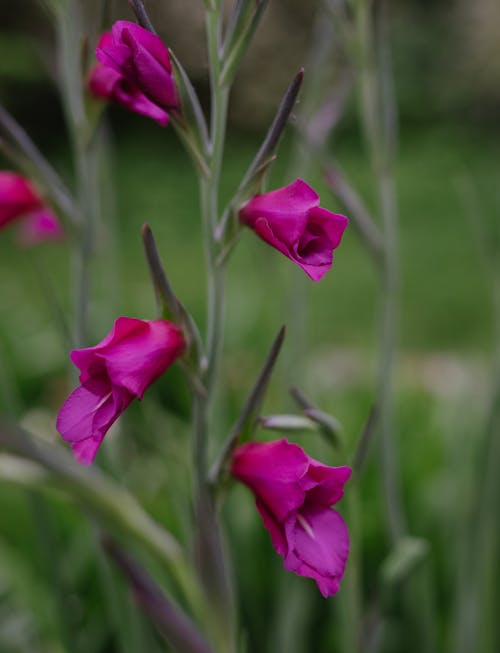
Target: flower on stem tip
{"points": [[294, 494], [134, 70], [118, 369], [20, 201], [291, 220]]}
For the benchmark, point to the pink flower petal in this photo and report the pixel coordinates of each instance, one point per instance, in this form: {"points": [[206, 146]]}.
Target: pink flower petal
{"points": [[39, 227], [86, 360], [135, 71], [75, 420], [333, 224], [274, 527], [137, 362], [116, 57], [129, 33], [291, 220], [17, 197], [325, 485], [116, 370], [272, 471], [155, 82], [318, 547], [293, 494], [86, 450]]}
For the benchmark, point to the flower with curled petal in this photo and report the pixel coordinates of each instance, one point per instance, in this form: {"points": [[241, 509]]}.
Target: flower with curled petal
{"points": [[294, 494], [291, 220], [114, 372]]}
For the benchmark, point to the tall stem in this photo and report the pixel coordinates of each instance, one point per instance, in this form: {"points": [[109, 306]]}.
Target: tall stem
{"points": [[377, 109], [219, 103], [83, 244], [209, 544], [69, 23]]}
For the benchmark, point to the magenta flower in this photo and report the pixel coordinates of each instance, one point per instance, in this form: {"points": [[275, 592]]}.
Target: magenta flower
{"points": [[114, 372], [19, 201], [17, 197], [293, 495], [39, 226], [135, 71], [291, 220]]}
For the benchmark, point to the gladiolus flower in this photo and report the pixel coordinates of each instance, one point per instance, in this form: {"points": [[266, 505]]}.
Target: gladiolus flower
{"points": [[20, 201], [135, 71], [293, 495], [121, 367], [291, 220], [17, 197]]}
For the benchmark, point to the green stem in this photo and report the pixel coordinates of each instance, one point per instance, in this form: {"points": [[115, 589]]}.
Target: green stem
{"points": [[209, 540], [209, 200], [390, 313], [350, 603], [376, 105], [69, 24], [83, 245]]}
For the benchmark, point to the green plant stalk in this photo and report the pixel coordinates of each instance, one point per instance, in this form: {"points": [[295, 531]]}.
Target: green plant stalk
{"points": [[350, 602], [378, 112], [84, 156], [209, 541], [375, 103], [348, 605]]}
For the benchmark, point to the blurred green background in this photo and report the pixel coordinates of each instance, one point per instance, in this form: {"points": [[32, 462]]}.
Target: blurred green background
{"points": [[446, 59]]}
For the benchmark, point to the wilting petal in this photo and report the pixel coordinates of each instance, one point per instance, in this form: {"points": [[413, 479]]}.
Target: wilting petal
{"points": [[318, 546]]}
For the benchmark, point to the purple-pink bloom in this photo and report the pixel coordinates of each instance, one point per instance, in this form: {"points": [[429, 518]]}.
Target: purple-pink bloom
{"points": [[38, 227], [134, 70], [294, 494], [114, 372], [17, 197], [291, 220]]}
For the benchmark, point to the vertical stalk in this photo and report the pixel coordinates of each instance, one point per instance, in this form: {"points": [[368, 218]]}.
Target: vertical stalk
{"points": [[210, 553], [69, 25], [84, 243], [350, 602], [209, 200], [210, 196], [377, 111]]}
